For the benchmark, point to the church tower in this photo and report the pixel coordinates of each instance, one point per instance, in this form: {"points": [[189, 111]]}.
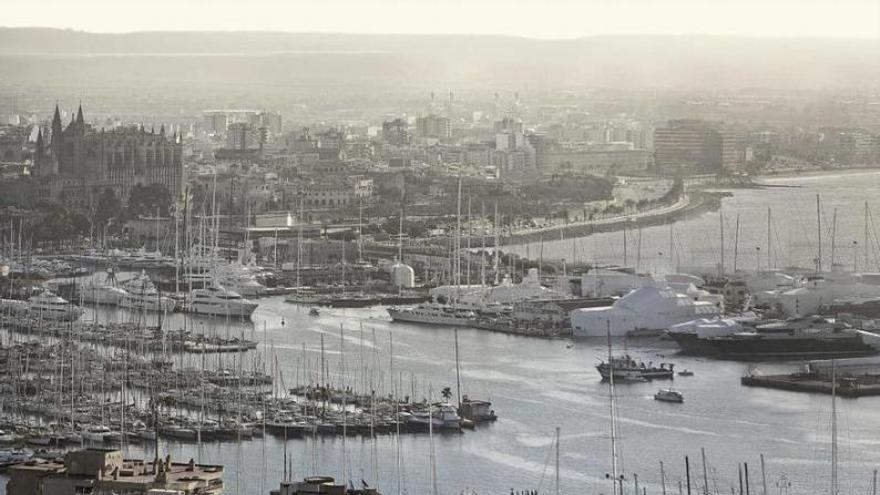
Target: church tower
{"points": [[56, 142]]}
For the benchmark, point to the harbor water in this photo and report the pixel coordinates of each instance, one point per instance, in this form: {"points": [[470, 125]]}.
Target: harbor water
{"points": [[536, 385]]}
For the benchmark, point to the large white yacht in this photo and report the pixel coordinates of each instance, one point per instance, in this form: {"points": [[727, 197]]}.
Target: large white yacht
{"points": [[234, 276], [648, 310], [48, 306], [98, 293], [434, 313], [220, 301], [105, 292], [141, 293]]}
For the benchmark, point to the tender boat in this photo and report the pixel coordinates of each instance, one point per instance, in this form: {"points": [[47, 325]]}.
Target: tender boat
{"points": [[96, 434], [669, 395], [685, 373], [626, 368], [314, 312]]}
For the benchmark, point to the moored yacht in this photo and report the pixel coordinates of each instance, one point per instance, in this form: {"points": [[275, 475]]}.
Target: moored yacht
{"points": [[48, 306], [795, 338], [141, 293], [434, 313], [219, 301], [104, 293]]}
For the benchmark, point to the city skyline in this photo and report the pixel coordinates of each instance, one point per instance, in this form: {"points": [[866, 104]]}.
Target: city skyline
{"points": [[559, 19]]}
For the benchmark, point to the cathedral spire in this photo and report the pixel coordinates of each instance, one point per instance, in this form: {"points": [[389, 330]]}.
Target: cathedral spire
{"points": [[79, 115], [56, 119], [162, 130]]}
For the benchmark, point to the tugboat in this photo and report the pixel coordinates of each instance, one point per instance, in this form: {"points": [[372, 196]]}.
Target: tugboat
{"points": [[669, 395], [626, 368]]}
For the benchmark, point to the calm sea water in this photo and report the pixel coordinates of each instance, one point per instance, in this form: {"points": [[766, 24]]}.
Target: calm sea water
{"points": [[537, 385], [794, 230]]}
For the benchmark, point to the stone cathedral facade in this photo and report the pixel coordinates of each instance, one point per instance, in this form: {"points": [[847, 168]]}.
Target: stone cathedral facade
{"points": [[74, 164]]}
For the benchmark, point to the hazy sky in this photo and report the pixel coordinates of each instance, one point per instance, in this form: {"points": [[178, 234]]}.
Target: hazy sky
{"points": [[533, 18]]}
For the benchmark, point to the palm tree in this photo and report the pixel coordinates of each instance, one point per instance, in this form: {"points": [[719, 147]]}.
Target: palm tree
{"points": [[446, 393]]}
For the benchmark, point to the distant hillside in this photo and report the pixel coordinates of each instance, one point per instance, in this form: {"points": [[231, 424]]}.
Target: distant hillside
{"points": [[38, 55]]}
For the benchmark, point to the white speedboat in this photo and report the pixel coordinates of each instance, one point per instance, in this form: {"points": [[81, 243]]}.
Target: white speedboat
{"points": [[141, 293], [48, 306], [219, 301], [96, 434], [6, 437], [669, 395]]}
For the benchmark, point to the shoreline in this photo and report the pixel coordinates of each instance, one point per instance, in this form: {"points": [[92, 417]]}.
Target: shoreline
{"points": [[699, 202], [794, 174]]}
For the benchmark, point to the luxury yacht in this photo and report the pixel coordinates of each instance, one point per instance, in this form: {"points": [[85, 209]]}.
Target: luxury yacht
{"points": [[220, 301], [102, 293], [141, 293], [48, 306], [434, 313]]}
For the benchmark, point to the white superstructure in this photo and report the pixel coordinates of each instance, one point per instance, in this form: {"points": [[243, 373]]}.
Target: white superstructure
{"points": [[219, 301], [434, 313], [48, 306], [141, 293], [646, 310]]}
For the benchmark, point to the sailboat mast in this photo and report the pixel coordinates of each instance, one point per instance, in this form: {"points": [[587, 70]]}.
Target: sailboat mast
{"points": [[496, 251], [866, 236], [469, 234], [614, 479], [768, 238], [835, 488], [833, 236], [482, 243], [557, 460], [457, 371], [721, 228], [819, 231], [736, 244]]}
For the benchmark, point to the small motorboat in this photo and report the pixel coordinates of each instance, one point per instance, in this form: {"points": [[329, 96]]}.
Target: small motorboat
{"points": [[685, 372], [314, 312], [669, 395]]}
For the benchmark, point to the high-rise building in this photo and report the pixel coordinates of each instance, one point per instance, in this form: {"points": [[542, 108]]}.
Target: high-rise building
{"points": [[694, 144], [396, 132], [240, 136], [215, 122], [271, 121], [434, 126]]}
